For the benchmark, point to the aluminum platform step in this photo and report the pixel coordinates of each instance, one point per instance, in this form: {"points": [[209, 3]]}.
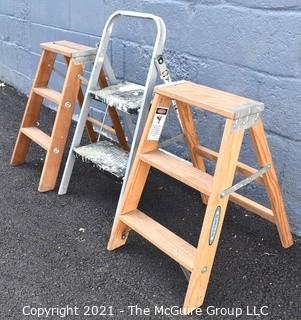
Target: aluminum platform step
{"points": [[106, 155], [124, 96]]}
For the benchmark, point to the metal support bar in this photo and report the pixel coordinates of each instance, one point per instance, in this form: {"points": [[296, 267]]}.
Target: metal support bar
{"points": [[246, 181], [165, 76], [186, 272], [162, 68], [172, 140], [83, 80], [103, 123]]}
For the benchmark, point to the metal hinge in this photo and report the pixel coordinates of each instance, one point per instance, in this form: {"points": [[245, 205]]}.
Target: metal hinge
{"points": [[84, 57], [162, 68], [245, 122]]}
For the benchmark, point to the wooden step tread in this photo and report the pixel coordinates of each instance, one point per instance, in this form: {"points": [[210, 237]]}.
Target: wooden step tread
{"points": [[179, 169], [38, 136], [213, 100], [49, 94], [171, 244], [66, 48], [183, 171]]}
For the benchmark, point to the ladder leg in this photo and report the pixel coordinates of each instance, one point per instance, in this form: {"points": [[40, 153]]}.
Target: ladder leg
{"points": [[118, 128], [80, 127], [132, 194], [130, 198], [191, 139], [67, 173], [33, 106], [272, 185], [214, 216], [61, 127], [80, 98]]}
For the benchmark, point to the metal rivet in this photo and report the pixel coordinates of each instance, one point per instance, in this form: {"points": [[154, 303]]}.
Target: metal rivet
{"points": [[68, 104], [204, 269], [56, 150], [123, 236]]}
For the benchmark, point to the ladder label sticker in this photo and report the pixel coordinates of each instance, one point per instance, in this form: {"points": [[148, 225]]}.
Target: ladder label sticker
{"points": [[158, 124], [214, 225]]}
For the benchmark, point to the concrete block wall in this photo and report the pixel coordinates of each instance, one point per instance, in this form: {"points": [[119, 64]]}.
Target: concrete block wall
{"points": [[251, 48]]}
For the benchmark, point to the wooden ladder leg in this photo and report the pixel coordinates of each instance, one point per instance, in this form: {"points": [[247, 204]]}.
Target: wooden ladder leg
{"points": [[191, 139], [137, 178], [270, 179], [214, 217], [32, 110], [61, 127], [80, 98], [118, 128]]}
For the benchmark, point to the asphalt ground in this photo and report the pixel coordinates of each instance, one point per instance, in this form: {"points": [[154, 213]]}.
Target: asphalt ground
{"points": [[53, 248]]}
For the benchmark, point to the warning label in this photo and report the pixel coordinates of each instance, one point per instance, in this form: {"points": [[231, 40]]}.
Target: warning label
{"points": [[158, 124]]}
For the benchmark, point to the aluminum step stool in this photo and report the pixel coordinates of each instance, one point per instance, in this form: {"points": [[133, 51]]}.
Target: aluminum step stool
{"points": [[127, 97], [240, 114], [76, 57]]}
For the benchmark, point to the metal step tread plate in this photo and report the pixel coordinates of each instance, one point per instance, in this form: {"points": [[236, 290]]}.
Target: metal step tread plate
{"points": [[106, 155], [124, 96]]}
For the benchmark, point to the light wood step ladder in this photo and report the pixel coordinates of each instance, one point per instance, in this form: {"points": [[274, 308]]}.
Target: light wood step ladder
{"points": [[76, 57], [240, 114]]}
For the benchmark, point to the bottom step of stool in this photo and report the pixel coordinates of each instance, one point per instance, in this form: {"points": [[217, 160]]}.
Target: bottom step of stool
{"points": [[106, 155], [167, 241]]}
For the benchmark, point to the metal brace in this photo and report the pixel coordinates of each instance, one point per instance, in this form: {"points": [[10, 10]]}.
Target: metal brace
{"points": [[246, 115], [84, 57], [162, 68], [245, 122], [186, 272], [172, 140], [83, 80], [246, 181], [164, 75]]}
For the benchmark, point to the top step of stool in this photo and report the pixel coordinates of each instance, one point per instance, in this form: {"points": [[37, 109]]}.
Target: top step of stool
{"points": [[223, 103], [66, 48]]}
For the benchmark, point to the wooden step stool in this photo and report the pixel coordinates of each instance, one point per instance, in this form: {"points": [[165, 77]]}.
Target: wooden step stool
{"points": [[76, 56], [240, 114]]}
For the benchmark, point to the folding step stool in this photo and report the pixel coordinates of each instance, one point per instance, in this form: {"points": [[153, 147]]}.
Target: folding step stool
{"points": [[240, 114], [127, 97], [76, 56]]}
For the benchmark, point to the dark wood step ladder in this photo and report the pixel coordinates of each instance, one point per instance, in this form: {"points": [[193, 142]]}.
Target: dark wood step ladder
{"points": [[240, 114], [75, 56]]}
